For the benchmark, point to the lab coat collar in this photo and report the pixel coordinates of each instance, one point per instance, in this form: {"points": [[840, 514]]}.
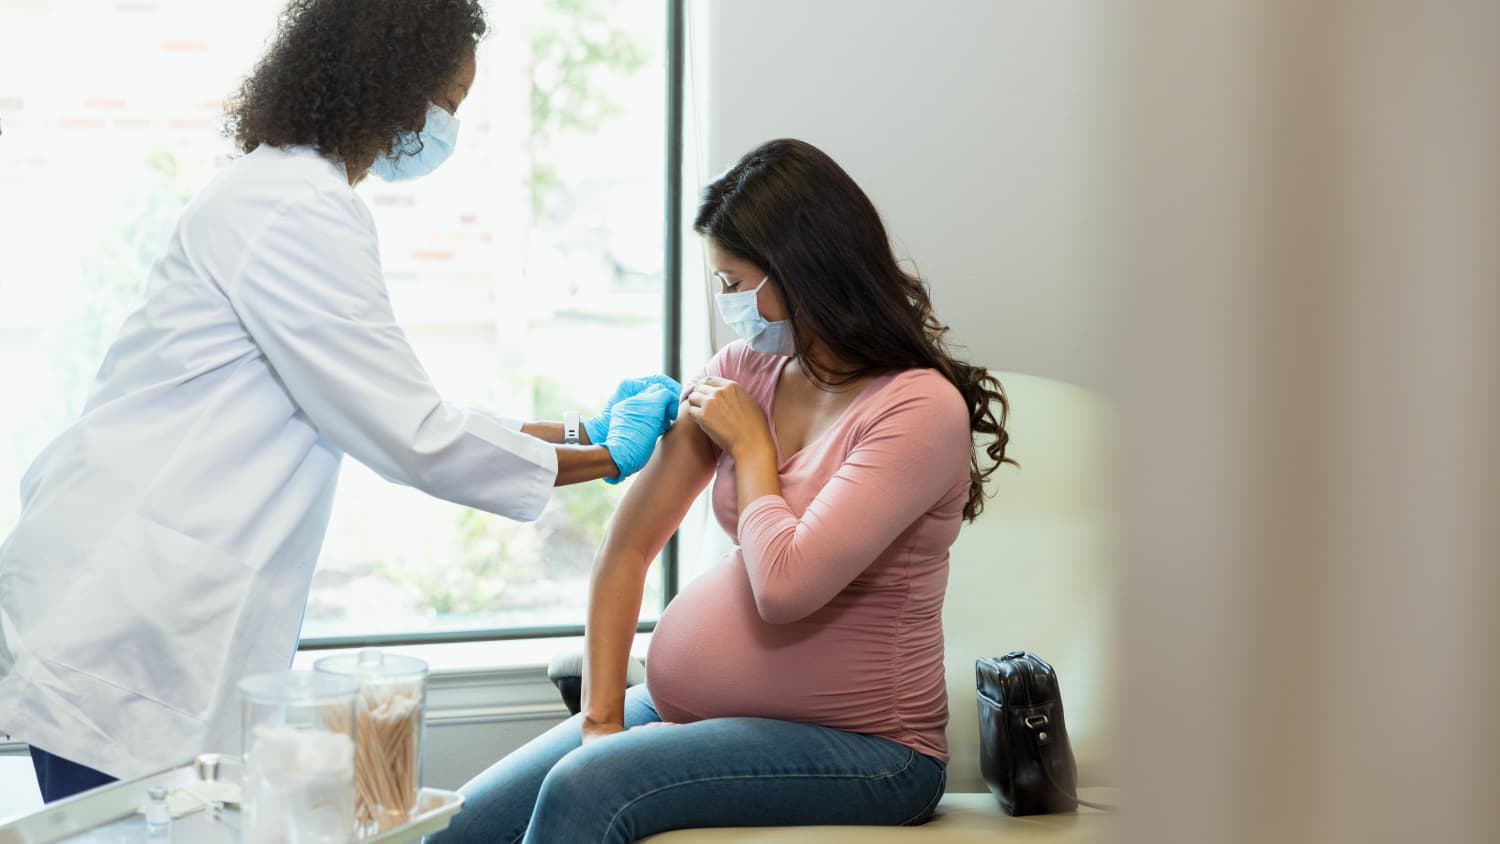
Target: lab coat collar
{"points": [[335, 166]]}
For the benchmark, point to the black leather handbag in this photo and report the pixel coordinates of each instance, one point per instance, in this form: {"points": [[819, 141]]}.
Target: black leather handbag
{"points": [[1024, 753]]}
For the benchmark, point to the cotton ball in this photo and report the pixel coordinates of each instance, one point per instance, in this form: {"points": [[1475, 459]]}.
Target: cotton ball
{"points": [[326, 753], [276, 748], [292, 751]]}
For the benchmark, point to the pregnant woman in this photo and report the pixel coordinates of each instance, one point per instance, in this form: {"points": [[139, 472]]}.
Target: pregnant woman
{"points": [[800, 681]]}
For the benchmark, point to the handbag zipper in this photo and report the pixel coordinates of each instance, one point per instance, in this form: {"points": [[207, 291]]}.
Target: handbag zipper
{"points": [[1026, 684], [1030, 702]]}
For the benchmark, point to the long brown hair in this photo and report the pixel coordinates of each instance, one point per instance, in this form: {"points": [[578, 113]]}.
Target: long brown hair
{"points": [[791, 210]]}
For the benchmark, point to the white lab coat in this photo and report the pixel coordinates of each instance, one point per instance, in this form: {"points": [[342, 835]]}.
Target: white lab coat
{"points": [[167, 539]]}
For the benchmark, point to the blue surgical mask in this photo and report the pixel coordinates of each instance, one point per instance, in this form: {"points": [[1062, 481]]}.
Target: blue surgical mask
{"points": [[436, 141], [741, 311]]}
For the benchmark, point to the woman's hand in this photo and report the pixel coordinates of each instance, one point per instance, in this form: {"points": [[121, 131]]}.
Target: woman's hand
{"points": [[654, 724], [595, 730], [737, 424], [731, 418], [734, 420]]}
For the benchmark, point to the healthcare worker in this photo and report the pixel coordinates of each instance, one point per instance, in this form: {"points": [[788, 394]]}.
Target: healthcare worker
{"points": [[166, 543]]}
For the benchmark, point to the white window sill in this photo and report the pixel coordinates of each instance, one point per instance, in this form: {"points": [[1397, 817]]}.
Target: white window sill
{"points": [[485, 683], [520, 655]]}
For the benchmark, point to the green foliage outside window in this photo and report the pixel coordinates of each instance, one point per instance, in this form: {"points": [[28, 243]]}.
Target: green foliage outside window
{"points": [[574, 48]]}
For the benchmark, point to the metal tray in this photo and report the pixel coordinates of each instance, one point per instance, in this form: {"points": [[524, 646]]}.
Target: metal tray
{"points": [[110, 815]]}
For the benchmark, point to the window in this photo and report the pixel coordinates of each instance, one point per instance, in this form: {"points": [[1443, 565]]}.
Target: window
{"points": [[528, 271]]}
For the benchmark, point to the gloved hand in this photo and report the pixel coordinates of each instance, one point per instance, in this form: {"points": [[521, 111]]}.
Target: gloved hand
{"points": [[598, 427], [634, 425]]}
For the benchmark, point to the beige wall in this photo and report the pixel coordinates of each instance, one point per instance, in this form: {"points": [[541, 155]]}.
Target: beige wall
{"points": [[1311, 360]]}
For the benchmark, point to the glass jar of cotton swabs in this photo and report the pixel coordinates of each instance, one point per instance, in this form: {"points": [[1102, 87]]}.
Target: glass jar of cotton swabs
{"points": [[388, 737]]}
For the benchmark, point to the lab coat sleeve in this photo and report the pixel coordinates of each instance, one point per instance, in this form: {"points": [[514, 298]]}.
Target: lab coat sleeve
{"points": [[311, 293]]}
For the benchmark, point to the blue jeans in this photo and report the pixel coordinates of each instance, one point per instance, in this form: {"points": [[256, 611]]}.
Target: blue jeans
{"points": [[719, 772], [59, 778]]}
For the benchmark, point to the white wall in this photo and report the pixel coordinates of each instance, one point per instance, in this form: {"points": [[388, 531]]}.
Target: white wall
{"points": [[970, 123]]}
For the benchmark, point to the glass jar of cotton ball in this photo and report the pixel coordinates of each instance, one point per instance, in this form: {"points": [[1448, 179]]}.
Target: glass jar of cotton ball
{"points": [[388, 736], [299, 748]]}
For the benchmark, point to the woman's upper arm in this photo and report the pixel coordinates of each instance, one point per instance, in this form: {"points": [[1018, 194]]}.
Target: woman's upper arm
{"points": [[679, 469], [662, 493]]}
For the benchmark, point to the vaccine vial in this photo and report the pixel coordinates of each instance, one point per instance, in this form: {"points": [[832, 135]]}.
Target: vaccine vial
{"points": [[158, 816]]}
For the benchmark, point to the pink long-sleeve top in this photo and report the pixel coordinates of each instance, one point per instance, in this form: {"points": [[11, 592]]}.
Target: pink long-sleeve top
{"points": [[829, 611]]}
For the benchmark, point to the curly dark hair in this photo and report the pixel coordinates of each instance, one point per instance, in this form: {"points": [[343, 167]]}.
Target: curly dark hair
{"points": [[349, 76]]}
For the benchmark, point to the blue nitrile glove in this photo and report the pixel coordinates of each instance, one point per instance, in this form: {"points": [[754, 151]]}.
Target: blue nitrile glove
{"points": [[634, 425], [598, 427]]}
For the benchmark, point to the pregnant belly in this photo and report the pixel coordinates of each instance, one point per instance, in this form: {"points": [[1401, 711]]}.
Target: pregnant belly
{"points": [[713, 656]]}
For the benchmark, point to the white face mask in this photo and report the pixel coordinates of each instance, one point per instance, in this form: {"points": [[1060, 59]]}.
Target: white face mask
{"points": [[437, 139], [741, 312]]}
